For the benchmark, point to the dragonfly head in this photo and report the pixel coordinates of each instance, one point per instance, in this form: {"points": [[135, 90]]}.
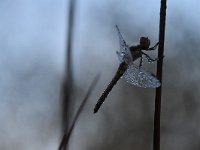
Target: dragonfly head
{"points": [[144, 42]]}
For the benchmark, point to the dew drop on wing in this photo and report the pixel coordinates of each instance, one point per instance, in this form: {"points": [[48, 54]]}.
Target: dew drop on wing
{"points": [[140, 77], [124, 53]]}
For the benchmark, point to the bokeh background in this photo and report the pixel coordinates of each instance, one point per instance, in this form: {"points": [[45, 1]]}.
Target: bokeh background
{"points": [[32, 58]]}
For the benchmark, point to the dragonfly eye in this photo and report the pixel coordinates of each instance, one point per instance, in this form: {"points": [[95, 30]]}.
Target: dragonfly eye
{"points": [[144, 42]]}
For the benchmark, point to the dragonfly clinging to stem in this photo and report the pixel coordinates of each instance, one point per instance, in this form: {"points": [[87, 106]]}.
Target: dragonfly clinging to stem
{"points": [[128, 70]]}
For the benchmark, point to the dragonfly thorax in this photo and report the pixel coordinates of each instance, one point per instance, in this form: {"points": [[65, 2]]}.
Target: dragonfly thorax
{"points": [[135, 52], [144, 43]]}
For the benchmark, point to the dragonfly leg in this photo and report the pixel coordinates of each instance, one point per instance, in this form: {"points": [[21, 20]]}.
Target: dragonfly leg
{"points": [[149, 59], [154, 47]]}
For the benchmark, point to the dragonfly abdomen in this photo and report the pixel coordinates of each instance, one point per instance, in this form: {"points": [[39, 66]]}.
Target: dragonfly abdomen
{"points": [[122, 68]]}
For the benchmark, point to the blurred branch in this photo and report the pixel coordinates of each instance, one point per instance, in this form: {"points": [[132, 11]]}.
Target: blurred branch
{"points": [[156, 135], [67, 135], [63, 143], [70, 39], [68, 77]]}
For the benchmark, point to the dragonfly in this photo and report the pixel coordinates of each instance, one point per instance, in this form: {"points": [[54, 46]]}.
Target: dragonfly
{"points": [[130, 71]]}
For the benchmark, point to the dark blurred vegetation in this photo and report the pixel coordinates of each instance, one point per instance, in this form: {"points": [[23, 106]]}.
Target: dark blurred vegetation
{"points": [[32, 64]]}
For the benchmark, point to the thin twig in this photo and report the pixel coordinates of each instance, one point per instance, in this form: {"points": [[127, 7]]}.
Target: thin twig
{"points": [[156, 135], [66, 137]]}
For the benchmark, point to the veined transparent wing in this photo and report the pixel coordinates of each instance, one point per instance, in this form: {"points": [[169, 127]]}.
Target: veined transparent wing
{"points": [[138, 76], [124, 53]]}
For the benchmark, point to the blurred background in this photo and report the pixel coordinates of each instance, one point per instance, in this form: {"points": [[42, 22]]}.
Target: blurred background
{"points": [[32, 62]]}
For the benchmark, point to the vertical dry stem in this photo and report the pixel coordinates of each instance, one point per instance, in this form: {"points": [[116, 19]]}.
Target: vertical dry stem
{"points": [[68, 77], [156, 134], [67, 84]]}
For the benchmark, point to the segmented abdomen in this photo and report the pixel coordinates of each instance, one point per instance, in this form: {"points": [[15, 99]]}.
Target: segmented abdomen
{"points": [[122, 68]]}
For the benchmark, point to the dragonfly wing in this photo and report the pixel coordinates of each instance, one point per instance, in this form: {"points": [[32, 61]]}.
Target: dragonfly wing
{"points": [[124, 53], [138, 76]]}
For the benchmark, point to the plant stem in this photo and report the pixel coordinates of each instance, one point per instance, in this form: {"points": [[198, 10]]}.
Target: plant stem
{"points": [[156, 134], [65, 140], [67, 86]]}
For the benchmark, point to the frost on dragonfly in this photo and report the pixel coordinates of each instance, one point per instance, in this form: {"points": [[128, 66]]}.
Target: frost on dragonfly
{"points": [[128, 70], [140, 77], [135, 74]]}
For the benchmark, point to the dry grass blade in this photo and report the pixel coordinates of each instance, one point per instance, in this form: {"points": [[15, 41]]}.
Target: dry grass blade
{"points": [[66, 137], [156, 135], [62, 145]]}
